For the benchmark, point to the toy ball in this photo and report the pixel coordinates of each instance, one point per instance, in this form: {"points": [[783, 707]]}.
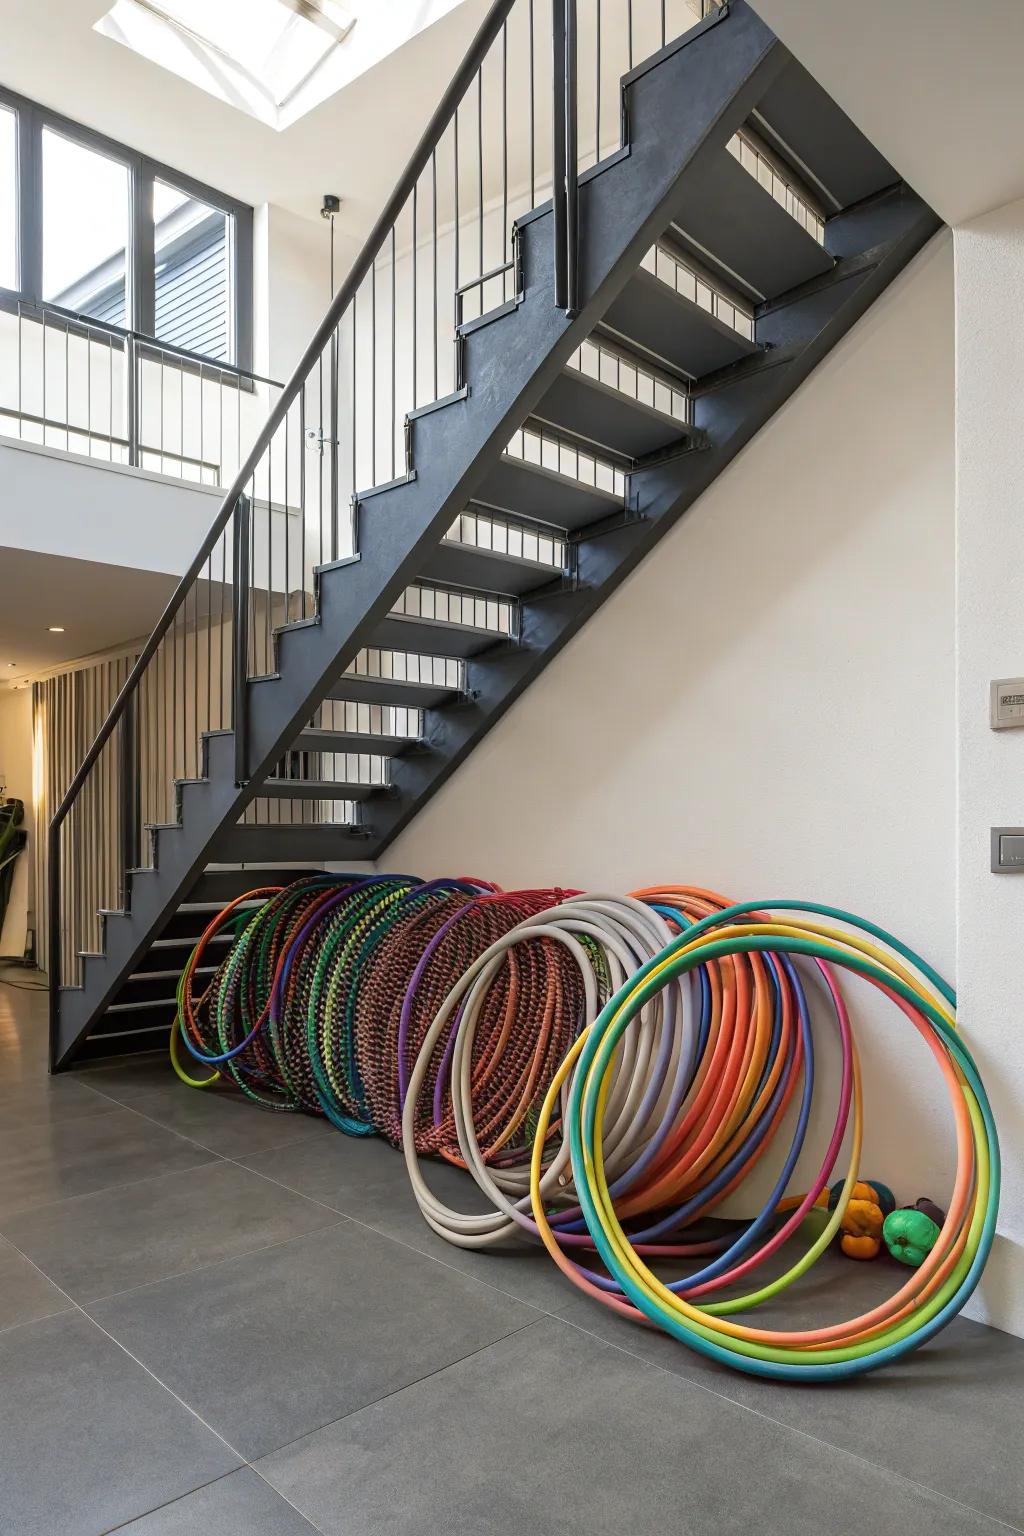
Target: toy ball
{"points": [[911, 1233]]}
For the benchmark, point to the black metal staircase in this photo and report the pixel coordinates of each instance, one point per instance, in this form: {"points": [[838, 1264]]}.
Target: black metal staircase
{"points": [[649, 319]]}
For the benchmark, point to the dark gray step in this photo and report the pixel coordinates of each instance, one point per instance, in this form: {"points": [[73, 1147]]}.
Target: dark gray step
{"points": [[192, 918], [671, 327], [166, 954], [133, 1008], [591, 409], [117, 1035], [318, 789], [808, 128], [736, 221], [463, 565], [314, 739], [223, 885], [156, 985], [327, 841], [530, 491], [433, 637], [358, 689]]}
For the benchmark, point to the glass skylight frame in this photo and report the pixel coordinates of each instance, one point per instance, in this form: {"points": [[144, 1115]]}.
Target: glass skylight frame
{"points": [[291, 42]]}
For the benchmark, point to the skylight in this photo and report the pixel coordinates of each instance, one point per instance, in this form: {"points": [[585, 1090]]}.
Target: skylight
{"points": [[258, 55]]}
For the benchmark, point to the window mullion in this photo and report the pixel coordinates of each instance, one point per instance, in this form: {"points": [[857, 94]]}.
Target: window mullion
{"points": [[30, 202], [143, 250]]}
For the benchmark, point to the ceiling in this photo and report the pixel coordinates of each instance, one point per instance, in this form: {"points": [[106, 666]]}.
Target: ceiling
{"points": [[346, 145], [100, 606], [935, 84]]}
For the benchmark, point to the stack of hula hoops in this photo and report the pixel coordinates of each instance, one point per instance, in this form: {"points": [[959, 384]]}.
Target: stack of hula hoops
{"points": [[609, 1069]]}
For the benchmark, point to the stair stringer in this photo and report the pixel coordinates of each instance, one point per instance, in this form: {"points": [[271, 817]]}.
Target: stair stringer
{"points": [[801, 331]]}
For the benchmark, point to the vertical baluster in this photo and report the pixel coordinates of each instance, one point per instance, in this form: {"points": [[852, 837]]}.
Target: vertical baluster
{"points": [[67, 386], [663, 23], [415, 394], [373, 371], [354, 404], [504, 154], [480, 175], [433, 217], [533, 151], [302, 495], [597, 81], [268, 619], [287, 523], [222, 633], [320, 446]]}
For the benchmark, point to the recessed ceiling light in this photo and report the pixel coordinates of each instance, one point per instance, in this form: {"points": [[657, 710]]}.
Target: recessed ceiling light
{"points": [[55, 629], [12, 663]]}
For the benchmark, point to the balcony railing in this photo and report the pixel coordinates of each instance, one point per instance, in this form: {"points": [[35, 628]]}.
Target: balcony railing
{"points": [[84, 386]]}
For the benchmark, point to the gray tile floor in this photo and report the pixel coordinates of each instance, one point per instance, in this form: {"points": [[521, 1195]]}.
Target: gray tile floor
{"points": [[217, 1322]]}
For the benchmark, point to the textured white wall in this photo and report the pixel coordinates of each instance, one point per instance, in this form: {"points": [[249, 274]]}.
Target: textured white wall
{"points": [[767, 705], [990, 644]]}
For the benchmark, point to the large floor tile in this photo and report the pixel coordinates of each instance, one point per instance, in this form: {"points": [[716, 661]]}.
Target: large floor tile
{"points": [[551, 1431], [33, 1104], [224, 1120], [78, 1157], [241, 1504], [366, 1179], [286, 1339], [98, 1244], [124, 1078], [89, 1439], [948, 1417], [25, 1294]]}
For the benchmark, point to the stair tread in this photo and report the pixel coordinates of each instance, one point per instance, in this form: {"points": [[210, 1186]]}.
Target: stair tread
{"points": [[308, 840], [315, 739], [736, 220], [357, 688], [487, 570], [821, 139], [530, 490], [433, 637], [674, 328], [319, 789], [612, 419]]}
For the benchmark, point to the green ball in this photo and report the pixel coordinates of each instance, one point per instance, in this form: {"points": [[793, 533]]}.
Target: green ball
{"points": [[909, 1236]]}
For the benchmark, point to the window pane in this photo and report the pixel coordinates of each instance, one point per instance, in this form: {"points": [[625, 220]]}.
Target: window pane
{"points": [[193, 286], [8, 199], [85, 229]]}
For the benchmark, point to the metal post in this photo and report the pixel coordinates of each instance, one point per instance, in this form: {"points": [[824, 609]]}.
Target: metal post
{"points": [[240, 622], [53, 936], [572, 201], [128, 797], [558, 151], [131, 389]]}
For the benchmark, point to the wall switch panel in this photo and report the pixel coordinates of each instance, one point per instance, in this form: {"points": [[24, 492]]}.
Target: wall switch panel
{"points": [[1007, 850], [1006, 703]]}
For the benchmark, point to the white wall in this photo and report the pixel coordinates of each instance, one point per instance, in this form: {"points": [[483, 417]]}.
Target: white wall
{"points": [[83, 509], [16, 772], [990, 644], [766, 707]]}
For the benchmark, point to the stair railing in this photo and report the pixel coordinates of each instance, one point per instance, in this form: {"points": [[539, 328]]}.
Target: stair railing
{"points": [[441, 257]]}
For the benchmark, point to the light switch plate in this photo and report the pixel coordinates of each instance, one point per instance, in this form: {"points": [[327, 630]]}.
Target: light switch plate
{"points": [[1007, 850], [1006, 703]]}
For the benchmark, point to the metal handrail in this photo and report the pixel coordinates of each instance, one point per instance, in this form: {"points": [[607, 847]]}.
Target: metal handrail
{"points": [[16, 304], [442, 115]]}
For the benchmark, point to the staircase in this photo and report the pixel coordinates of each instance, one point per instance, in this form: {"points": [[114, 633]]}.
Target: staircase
{"points": [[422, 526]]}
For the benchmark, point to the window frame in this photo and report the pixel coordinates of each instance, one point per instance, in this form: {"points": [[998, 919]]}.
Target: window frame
{"points": [[31, 120]]}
